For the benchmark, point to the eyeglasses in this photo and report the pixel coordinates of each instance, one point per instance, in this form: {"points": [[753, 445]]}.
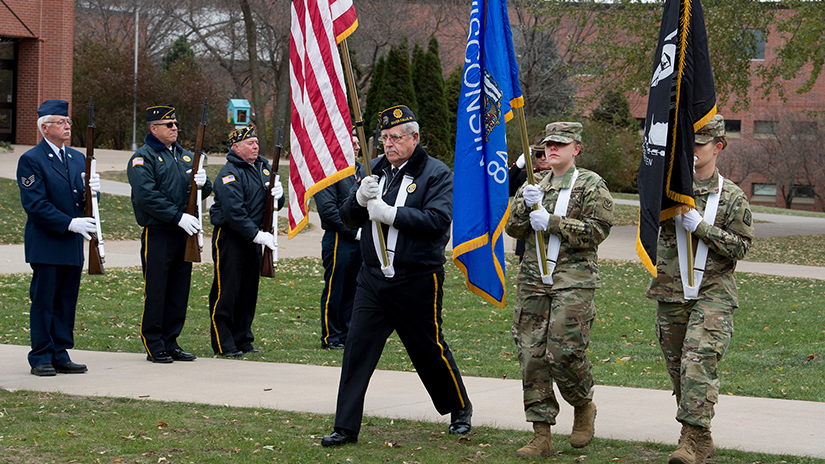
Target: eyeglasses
{"points": [[168, 124], [394, 137], [61, 122], [540, 154]]}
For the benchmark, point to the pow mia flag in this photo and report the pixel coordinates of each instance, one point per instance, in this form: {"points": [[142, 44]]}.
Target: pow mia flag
{"points": [[682, 99]]}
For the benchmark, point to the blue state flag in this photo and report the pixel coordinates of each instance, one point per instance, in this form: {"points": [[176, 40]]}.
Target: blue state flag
{"points": [[489, 91]]}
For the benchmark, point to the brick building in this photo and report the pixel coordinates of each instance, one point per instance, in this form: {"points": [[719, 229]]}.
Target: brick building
{"points": [[36, 48]]}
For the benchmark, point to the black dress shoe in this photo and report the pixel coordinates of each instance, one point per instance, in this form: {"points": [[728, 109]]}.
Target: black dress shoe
{"points": [[180, 355], [162, 357], [339, 437], [333, 346], [71, 368], [44, 370], [460, 419], [232, 354], [252, 351]]}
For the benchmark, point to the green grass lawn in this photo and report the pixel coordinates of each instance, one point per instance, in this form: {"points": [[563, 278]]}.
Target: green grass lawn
{"points": [[777, 351], [56, 428]]}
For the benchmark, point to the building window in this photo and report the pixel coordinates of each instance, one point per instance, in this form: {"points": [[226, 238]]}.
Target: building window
{"points": [[765, 129], [764, 190], [733, 128], [804, 130], [803, 194], [754, 42]]}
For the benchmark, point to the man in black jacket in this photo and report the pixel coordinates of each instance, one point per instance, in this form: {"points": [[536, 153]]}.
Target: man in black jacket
{"points": [[410, 200], [241, 191], [159, 173], [342, 261]]}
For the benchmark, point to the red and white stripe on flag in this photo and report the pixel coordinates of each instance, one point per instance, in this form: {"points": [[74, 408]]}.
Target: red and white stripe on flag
{"points": [[320, 140]]}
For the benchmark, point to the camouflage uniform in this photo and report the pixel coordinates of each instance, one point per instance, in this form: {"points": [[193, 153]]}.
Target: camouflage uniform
{"points": [[551, 323], [694, 334]]}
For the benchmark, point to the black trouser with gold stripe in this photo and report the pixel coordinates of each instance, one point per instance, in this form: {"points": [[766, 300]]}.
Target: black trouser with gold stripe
{"points": [[412, 307], [234, 293], [342, 261], [168, 277]]}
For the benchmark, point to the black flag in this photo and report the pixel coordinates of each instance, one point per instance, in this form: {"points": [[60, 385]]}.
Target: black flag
{"points": [[682, 99]]}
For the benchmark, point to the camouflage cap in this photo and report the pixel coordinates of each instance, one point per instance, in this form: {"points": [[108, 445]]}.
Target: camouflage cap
{"points": [[714, 128], [563, 132]]}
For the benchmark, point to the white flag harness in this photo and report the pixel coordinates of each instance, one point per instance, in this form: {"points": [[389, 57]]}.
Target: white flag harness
{"points": [[392, 235], [553, 243], [701, 259]]}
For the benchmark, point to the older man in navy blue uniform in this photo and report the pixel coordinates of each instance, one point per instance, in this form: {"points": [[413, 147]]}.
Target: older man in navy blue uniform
{"points": [[241, 196], [50, 177], [159, 173], [410, 200]]}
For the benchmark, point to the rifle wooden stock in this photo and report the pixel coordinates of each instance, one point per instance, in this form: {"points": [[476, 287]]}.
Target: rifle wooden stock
{"points": [[95, 260], [267, 264], [192, 252]]}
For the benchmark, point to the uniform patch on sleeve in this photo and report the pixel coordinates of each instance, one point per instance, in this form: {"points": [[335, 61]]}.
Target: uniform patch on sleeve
{"points": [[228, 179], [747, 218], [27, 181], [137, 161]]}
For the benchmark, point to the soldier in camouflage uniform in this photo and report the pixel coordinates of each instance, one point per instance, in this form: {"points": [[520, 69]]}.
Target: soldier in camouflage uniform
{"points": [[694, 334], [551, 322]]}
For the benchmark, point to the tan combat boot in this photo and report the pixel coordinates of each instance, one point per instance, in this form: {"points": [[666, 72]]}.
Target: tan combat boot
{"points": [[541, 445], [685, 452], [704, 445], [584, 425]]}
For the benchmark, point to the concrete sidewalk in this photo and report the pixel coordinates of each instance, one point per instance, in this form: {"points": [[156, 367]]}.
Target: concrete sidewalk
{"points": [[743, 423]]}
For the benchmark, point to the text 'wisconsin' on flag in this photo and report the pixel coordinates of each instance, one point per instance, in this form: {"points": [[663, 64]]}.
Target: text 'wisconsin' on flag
{"points": [[489, 90], [320, 140], [682, 99]]}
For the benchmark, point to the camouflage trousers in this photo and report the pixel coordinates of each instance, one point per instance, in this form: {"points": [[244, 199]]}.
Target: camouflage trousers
{"points": [[552, 331], [694, 336]]}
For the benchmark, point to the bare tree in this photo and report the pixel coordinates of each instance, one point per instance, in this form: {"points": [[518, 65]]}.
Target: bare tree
{"points": [[790, 153]]}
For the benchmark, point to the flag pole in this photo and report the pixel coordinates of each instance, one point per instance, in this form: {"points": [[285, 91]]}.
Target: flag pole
{"points": [[528, 158], [359, 128]]}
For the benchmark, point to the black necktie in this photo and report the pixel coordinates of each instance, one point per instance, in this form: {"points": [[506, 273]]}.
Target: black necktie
{"points": [[394, 172], [63, 159]]}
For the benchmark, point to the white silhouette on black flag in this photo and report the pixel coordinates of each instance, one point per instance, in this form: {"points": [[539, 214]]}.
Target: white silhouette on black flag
{"points": [[682, 99]]}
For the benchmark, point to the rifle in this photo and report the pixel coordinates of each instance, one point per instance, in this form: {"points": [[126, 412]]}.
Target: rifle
{"points": [[96, 253], [194, 244], [270, 215]]}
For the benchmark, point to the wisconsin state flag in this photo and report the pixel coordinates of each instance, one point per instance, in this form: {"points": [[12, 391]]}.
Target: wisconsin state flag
{"points": [[682, 99]]}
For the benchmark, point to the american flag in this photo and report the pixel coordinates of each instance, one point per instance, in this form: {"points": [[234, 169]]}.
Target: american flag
{"points": [[321, 144]]}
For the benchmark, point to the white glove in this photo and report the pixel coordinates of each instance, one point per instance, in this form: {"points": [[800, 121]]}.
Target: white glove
{"points": [[367, 190], [83, 226], [691, 220], [94, 182], [200, 177], [532, 195], [380, 211], [520, 162], [277, 189], [265, 239], [540, 219], [189, 224], [358, 235]]}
